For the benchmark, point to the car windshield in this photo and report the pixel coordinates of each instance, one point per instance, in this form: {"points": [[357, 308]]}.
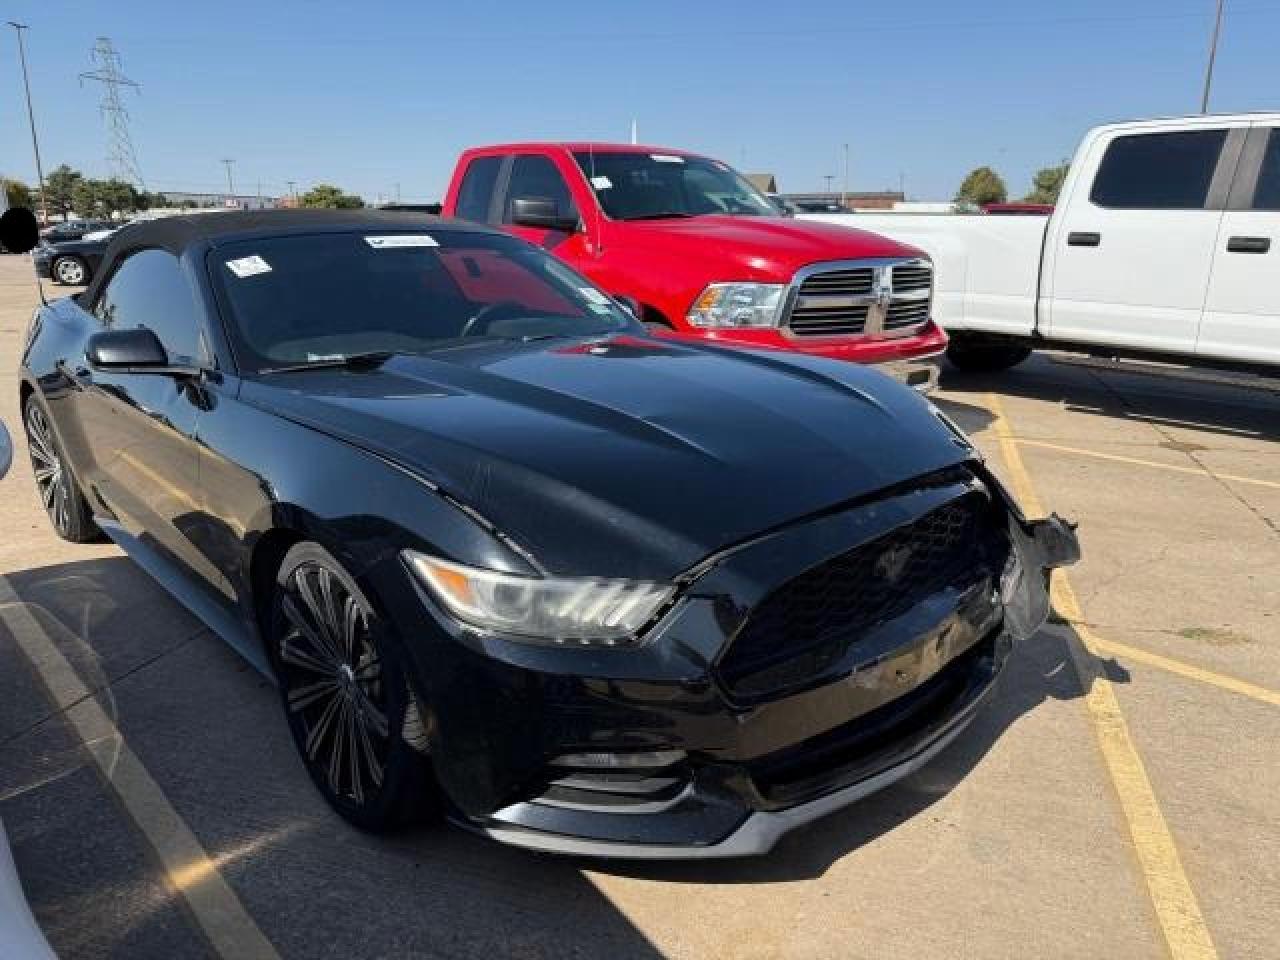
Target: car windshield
{"points": [[319, 298], [654, 186]]}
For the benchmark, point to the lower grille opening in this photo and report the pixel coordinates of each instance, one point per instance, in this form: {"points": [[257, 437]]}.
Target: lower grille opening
{"points": [[811, 623], [849, 752], [640, 790]]}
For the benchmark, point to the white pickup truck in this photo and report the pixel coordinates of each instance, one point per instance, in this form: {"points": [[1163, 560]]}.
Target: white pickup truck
{"points": [[1165, 244]]}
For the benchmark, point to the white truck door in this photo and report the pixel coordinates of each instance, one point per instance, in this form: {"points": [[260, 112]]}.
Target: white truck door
{"points": [[1132, 250], [1242, 309]]}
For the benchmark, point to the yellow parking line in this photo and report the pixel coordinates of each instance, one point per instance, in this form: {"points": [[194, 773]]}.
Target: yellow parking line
{"points": [[1175, 468], [1188, 670], [1176, 907], [219, 913]]}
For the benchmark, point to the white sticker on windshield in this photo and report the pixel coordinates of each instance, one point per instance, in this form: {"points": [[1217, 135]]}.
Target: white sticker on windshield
{"points": [[248, 266], [666, 158], [404, 240], [601, 183], [594, 295]]}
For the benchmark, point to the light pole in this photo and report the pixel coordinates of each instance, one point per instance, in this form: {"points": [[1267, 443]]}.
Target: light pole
{"points": [[31, 118], [231, 187], [1213, 55], [828, 177], [845, 192]]}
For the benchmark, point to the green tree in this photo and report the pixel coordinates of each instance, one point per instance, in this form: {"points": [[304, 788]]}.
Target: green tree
{"points": [[86, 198], [331, 197], [17, 193], [1047, 184], [58, 187], [980, 187]]}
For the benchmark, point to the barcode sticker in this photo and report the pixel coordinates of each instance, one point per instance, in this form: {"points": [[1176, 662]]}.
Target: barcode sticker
{"points": [[601, 183], [248, 266], [404, 240]]}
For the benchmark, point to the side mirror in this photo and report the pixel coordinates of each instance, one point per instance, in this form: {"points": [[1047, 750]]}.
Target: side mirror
{"points": [[542, 213], [6, 450], [19, 232], [135, 349]]}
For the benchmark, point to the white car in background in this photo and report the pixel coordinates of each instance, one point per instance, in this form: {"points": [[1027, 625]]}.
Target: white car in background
{"points": [[1165, 244]]}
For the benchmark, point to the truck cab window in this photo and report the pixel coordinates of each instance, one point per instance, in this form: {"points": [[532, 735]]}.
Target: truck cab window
{"points": [[536, 176], [476, 192], [1267, 194], [1158, 171]]}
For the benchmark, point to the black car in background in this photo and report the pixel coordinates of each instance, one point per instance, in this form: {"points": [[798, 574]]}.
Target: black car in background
{"points": [[73, 230], [73, 263], [512, 559]]}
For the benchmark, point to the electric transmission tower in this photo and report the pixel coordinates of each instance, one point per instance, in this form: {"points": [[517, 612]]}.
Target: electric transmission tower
{"points": [[121, 158]]}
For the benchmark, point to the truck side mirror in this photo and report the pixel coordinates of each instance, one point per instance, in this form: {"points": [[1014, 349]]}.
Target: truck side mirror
{"points": [[542, 213], [19, 232]]}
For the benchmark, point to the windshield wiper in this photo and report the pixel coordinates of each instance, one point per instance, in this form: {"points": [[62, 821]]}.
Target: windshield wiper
{"points": [[351, 361], [665, 215]]}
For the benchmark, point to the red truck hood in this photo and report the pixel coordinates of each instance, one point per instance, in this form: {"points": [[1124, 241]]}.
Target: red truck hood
{"points": [[759, 248]]}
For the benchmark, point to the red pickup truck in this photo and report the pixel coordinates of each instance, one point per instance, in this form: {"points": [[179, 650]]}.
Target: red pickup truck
{"points": [[692, 247]]}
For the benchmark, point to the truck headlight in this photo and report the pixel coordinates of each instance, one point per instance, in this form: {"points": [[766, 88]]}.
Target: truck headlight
{"points": [[565, 610], [738, 305]]}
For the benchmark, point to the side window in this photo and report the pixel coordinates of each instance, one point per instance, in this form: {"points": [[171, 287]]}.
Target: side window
{"points": [[537, 176], [476, 191], [150, 290], [1158, 171], [1267, 194]]}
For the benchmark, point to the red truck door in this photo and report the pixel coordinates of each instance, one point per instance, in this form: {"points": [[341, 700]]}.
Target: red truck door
{"points": [[538, 205]]}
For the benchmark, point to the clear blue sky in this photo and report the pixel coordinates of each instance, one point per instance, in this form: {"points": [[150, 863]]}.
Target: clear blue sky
{"points": [[370, 94]]}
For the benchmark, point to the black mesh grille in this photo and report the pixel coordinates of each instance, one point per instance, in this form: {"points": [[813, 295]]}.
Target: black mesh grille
{"points": [[808, 623]]}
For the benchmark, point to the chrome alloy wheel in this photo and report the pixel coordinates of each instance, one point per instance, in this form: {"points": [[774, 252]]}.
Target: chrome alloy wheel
{"points": [[331, 672], [51, 477], [69, 270]]}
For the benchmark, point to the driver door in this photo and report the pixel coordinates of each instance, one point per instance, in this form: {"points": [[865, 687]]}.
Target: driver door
{"points": [[140, 427]]}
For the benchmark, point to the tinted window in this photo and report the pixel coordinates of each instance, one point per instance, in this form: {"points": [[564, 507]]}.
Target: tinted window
{"points": [[150, 290], [535, 176], [302, 299], [1267, 194], [650, 186], [1158, 171], [476, 190]]}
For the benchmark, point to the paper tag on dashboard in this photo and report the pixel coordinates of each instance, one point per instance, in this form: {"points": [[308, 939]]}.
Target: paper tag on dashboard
{"points": [[248, 266], [404, 240], [666, 158], [601, 183]]}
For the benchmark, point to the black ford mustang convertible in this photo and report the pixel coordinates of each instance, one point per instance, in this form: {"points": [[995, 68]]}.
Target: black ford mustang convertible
{"points": [[509, 558]]}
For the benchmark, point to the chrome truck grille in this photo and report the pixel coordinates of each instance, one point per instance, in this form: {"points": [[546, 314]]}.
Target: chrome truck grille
{"points": [[871, 297]]}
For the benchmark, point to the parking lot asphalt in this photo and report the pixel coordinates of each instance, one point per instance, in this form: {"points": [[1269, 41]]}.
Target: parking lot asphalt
{"points": [[157, 810]]}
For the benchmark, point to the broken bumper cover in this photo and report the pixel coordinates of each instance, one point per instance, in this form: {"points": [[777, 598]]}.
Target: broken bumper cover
{"points": [[703, 807]]}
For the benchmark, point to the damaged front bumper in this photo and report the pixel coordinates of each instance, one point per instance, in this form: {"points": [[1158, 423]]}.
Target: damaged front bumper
{"points": [[663, 754]]}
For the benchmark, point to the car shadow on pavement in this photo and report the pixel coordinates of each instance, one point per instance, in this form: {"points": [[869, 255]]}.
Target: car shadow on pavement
{"points": [[1160, 400], [210, 732]]}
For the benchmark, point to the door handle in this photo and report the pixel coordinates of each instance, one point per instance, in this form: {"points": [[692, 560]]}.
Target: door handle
{"points": [[1248, 244], [1078, 238]]}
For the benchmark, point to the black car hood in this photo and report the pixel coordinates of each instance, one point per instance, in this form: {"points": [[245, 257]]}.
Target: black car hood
{"points": [[628, 456]]}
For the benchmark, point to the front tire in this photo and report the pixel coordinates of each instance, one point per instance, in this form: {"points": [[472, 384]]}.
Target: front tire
{"points": [[345, 687], [70, 270], [979, 354], [60, 494]]}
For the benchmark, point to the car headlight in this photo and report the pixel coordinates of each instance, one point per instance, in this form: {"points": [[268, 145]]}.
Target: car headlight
{"points": [[566, 610], [738, 305]]}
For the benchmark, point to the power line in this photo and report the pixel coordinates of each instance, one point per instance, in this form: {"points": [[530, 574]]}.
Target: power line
{"points": [[122, 160], [1213, 55]]}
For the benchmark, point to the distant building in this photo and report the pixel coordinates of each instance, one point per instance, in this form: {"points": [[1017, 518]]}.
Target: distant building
{"points": [[764, 182], [854, 200], [179, 198]]}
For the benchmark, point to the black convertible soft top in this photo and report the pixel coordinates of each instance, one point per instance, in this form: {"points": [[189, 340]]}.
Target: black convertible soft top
{"points": [[178, 233]]}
